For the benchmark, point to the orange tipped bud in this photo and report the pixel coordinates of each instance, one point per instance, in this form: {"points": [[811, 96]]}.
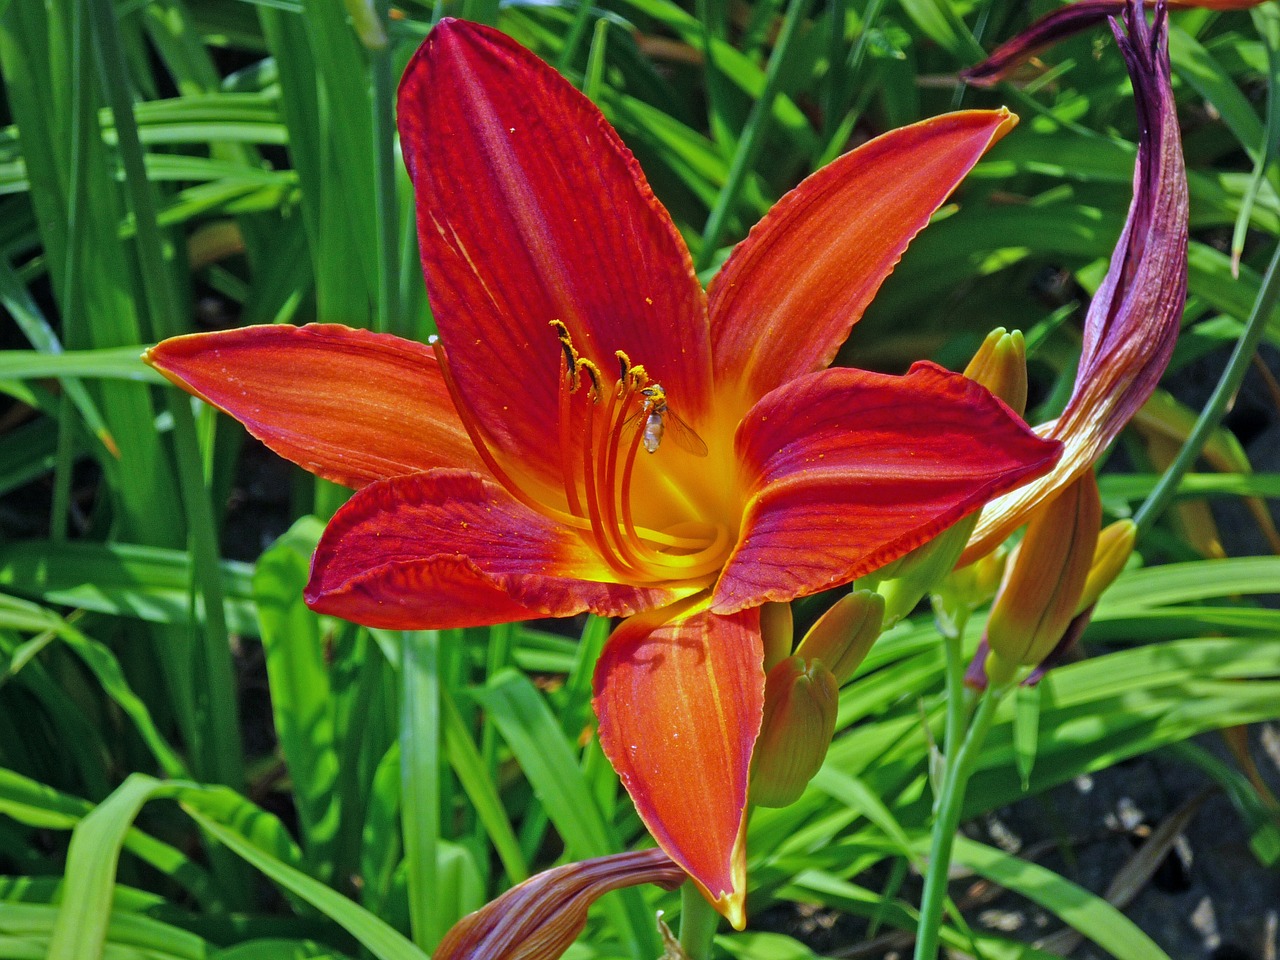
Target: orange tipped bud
{"points": [[800, 700], [1000, 365], [1046, 577], [1115, 545], [843, 635]]}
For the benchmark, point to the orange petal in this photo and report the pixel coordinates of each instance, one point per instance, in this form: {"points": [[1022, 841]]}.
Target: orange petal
{"points": [[450, 549], [853, 469], [540, 918], [679, 704], [818, 257], [530, 209], [349, 405]]}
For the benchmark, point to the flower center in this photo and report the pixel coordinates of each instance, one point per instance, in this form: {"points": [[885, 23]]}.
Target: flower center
{"points": [[600, 431]]}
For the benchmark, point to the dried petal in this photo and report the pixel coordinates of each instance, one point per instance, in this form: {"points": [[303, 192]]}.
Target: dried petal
{"points": [[1134, 317], [540, 918]]}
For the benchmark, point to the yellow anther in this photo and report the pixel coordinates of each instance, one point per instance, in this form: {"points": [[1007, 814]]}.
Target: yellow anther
{"points": [[570, 354], [593, 373]]}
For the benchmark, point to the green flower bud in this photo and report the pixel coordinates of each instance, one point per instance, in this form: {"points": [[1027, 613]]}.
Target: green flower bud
{"points": [[1000, 365], [800, 700], [843, 635]]}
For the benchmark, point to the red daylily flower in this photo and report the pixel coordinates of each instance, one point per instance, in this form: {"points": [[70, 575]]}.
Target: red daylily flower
{"points": [[500, 473]]}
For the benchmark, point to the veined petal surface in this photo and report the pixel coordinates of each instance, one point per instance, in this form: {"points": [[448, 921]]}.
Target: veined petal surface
{"points": [[853, 469], [679, 703], [789, 294], [449, 548], [530, 209], [349, 405]]}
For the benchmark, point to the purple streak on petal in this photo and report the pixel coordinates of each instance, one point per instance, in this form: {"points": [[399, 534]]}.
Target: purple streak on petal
{"points": [[1064, 647], [975, 678], [1045, 32]]}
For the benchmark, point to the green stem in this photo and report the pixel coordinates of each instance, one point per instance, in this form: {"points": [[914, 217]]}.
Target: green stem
{"points": [[698, 922], [957, 712], [1213, 412], [956, 779]]}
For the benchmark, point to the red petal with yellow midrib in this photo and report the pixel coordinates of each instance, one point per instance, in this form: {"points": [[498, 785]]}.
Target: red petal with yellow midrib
{"points": [[530, 209], [349, 405], [788, 296], [679, 706], [852, 469], [449, 549]]}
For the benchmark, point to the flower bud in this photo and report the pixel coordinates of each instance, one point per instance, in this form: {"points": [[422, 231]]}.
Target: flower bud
{"points": [[974, 585], [1115, 545], [364, 17], [800, 700], [921, 570], [1046, 578], [843, 635], [1000, 365]]}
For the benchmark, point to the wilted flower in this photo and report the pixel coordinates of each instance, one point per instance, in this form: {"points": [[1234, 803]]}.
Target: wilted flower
{"points": [[1133, 320]]}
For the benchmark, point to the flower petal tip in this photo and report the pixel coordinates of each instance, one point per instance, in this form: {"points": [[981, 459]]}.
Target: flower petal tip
{"points": [[733, 907]]}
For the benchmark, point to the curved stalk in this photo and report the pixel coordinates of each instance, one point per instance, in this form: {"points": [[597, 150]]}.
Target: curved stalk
{"points": [[955, 781]]}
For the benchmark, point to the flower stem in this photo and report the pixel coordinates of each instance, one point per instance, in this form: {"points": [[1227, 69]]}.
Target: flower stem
{"points": [[955, 780], [956, 699], [698, 922]]}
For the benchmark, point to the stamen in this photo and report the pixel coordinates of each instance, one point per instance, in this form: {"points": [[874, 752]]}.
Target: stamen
{"points": [[475, 434], [634, 554], [606, 469], [605, 543], [570, 354], [593, 373], [568, 371]]}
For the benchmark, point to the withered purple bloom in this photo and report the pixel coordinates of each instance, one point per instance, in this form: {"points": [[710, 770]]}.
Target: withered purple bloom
{"points": [[1060, 24], [1133, 321], [540, 918]]}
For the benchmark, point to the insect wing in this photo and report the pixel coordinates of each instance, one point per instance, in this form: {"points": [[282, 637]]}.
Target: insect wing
{"points": [[683, 435]]}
